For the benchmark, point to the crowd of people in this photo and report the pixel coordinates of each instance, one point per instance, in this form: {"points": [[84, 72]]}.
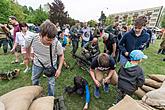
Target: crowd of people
{"points": [[46, 48]]}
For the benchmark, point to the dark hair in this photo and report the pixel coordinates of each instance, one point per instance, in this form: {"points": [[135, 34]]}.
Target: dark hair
{"points": [[48, 29], [22, 25], [140, 21], [13, 17], [124, 27]]}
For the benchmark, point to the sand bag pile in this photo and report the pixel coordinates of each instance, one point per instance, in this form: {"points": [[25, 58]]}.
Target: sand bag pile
{"points": [[153, 82]]}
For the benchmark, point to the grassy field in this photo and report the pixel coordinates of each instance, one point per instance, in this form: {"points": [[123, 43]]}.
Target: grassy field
{"points": [[153, 65]]}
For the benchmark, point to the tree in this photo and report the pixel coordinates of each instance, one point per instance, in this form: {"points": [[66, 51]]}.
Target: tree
{"points": [[57, 13], [129, 21], [17, 10], [109, 20], [92, 23], [4, 13]]}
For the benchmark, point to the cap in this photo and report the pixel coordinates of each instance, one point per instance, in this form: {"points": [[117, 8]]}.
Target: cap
{"points": [[137, 55]]}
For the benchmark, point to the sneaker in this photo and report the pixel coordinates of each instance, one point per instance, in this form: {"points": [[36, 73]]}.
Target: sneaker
{"points": [[96, 92], [27, 70], [106, 87]]}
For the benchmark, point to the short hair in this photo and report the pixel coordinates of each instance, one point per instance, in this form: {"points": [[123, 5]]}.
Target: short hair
{"points": [[48, 29], [103, 60], [22, 25], [140, 21], [124, 27], [13, 17]]}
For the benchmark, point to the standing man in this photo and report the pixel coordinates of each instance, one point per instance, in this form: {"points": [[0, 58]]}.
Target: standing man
{"points": [[75, 36], [86, 34], [136, 39], [42, 44], [3, 38], [102, 71], [14, 22]]}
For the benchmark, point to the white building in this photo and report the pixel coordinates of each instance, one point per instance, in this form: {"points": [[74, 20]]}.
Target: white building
{"points": [[153, 15]]}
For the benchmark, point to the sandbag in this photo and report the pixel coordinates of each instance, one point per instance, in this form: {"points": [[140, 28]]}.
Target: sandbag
{"points": [[147, 88], [140, 93], [127, 103], [43, 103], [155, 98], [152, 83], [144, 105], [2, 106], [157, 77], [21, 98]]}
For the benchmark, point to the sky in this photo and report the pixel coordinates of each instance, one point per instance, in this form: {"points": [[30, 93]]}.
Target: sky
{"points": [[85, 10]]}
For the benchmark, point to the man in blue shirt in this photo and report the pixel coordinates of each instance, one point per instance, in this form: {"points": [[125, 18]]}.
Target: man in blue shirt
{"points": [[135, 39]]}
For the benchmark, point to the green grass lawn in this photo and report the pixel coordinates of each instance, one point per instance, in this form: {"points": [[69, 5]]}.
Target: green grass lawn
{"points": [[153, 65]]}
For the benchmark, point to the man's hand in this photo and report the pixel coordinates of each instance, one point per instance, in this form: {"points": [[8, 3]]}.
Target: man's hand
{"points": [[12, 50], [126, 53], [97, 83], [58, 72], [106, 80]]}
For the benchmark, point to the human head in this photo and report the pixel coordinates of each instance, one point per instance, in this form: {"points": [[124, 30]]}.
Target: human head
{"points": [[103, 60], [12, 20], [85, 24], [138, 25], [48, 32], [94, 41], [23, 27], [137, 55], [124, 28], [105, 36]]}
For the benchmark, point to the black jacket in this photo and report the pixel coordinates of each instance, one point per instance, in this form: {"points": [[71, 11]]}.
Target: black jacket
{"points": [[130, 78]]}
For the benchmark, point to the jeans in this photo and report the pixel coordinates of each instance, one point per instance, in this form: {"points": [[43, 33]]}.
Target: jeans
{"points": [[123, 59], [75, 46], [4, 42], [83, 43], [36, 74]]}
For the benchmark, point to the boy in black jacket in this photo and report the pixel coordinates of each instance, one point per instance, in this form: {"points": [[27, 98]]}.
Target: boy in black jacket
{"points": [[131, 75]]}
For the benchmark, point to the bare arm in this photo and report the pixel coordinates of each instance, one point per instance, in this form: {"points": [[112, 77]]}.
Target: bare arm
{"points": [[97, 83], [114, 49], [61, 61]]}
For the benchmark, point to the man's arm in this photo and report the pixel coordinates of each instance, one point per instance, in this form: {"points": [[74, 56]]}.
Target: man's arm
{"points": [[97, 83], [122, 45], [114, 50], [61, 61]]}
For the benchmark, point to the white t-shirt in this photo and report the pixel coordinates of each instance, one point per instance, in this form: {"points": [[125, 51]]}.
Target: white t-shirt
{"points": [[20, 38], [66, 31], [42, 52], [86, 34]]}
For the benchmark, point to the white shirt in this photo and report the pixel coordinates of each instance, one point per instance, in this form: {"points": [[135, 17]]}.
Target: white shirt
{"points": [[20, 38], [86, 34]]}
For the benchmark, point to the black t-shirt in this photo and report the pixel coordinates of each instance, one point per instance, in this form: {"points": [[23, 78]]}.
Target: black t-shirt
{"points": [[111, 66], [109, 42]]}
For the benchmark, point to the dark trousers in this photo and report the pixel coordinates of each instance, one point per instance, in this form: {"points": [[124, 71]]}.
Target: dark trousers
{"points": [[4, 43], [75, 46], [121, 94]]}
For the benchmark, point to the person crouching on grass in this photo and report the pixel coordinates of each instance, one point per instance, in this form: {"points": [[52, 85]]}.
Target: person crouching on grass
{"points": [[103, 70], [131, 75]]}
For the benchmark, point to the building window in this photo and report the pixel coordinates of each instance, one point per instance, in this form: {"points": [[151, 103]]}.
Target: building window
{"points": [[155, 15], [156, 10]]}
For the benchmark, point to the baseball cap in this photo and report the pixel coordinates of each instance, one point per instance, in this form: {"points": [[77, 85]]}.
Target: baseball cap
{"points": [[137, 55]]}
